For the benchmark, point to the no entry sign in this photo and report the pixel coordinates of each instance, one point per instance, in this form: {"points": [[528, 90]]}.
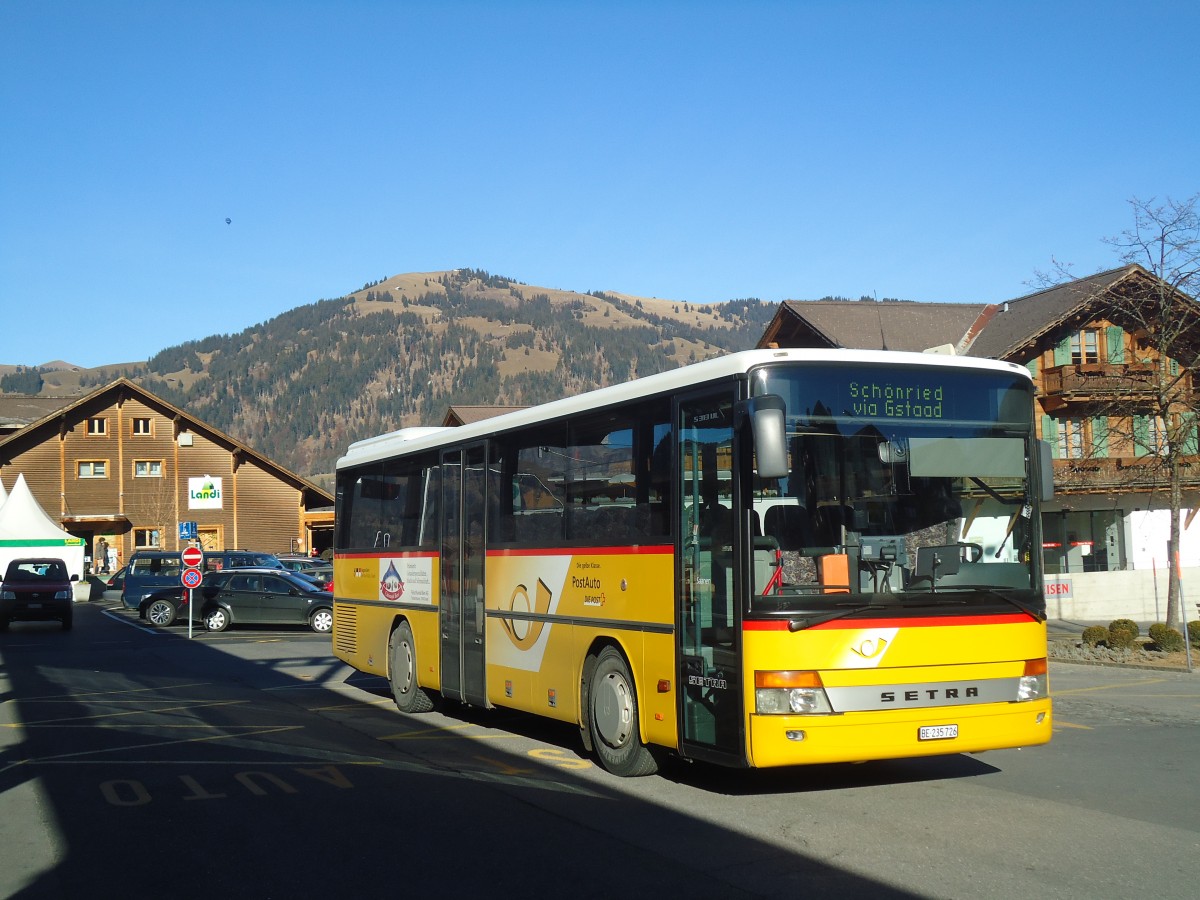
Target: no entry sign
{"points": [[192, 557]]}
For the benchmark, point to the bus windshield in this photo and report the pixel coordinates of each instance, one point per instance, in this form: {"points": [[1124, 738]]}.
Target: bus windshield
{"points": [[905, 486]]}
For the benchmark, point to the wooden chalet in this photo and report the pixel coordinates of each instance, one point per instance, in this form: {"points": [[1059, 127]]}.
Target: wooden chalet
{"points": [[1086, 344], [127, 465]]}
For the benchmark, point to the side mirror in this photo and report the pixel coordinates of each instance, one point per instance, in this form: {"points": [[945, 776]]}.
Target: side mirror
{"points": [[1046, 470], [767, 422]]}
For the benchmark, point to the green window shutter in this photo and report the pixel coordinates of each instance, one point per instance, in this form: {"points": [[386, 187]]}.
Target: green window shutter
{"points": [[1062, 352], [1032, 366], [1050, 434], [1141, 436], [1100, 436], [1174, 368], [1115, 338]]}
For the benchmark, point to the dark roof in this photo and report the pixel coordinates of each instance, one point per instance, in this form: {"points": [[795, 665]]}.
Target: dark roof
{"points": [[1021, 322], [465, 415], [870, 325], [32, 432]]}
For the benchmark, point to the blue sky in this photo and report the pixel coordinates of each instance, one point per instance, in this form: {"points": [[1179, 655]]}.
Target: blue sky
{"points": [[936, 151]]}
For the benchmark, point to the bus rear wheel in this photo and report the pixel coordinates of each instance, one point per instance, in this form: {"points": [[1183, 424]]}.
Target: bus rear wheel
{"points": [[402, 672], [613, 718]]}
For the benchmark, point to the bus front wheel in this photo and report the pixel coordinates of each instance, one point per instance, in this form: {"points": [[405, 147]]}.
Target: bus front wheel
{"points": [[613, 718], [402, 672]]}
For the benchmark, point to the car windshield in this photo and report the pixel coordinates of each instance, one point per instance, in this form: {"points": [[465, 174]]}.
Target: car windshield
{"points": [[36, 570], [902, 487]]}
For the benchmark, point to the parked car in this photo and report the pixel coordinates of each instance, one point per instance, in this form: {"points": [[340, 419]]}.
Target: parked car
{"points": [[37, 589], [264, 597], [321, 575], [152, 571], [258, 596], [115, 581], [301, 563]]}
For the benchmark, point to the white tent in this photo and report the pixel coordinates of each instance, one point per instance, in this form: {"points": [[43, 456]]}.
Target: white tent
{"points": [[26, 530]]}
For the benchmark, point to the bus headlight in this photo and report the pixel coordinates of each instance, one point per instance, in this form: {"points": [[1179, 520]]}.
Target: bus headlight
{"points": [[790, 693], [1034, 683]]}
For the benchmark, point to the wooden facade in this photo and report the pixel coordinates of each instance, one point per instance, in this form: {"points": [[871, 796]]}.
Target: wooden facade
{"points": [[1099, 384], [118, 463]]}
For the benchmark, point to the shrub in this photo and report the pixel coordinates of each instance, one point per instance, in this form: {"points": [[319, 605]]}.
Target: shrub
{"points": [[1095, 634], [1127, 624], [1194, 633], [1166, 639], [1121, 638]]}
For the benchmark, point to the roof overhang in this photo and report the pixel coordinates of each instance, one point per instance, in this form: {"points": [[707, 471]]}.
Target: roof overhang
{"points": [[110, 519]]}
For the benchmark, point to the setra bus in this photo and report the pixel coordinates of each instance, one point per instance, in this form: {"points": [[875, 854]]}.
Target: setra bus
{"points": [[774, 558]]}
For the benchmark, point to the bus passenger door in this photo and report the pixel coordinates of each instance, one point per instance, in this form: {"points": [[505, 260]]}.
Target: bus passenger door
{"points": [[461, 613], [709, 614]]}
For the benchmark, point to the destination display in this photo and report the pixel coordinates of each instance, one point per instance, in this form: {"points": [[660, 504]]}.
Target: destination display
{"points": [[925, 395]]}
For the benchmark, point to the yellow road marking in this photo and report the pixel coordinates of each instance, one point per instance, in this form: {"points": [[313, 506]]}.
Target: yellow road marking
{"points": [[505, 768], [132, 712], [1106, 687]]}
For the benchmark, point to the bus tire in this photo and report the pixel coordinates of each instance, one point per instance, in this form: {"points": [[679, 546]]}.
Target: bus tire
{"points": [[612, 715], [402, 672]]}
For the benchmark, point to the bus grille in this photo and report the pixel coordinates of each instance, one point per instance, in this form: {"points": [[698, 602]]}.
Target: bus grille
{"points": [[346, 629]]}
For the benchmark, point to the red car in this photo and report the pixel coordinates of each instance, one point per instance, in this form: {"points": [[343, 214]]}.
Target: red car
{"points": [[37, 590]]}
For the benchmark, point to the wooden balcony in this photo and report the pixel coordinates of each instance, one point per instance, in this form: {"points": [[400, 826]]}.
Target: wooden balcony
{"points": [[1102, 381], [1107, 474]]}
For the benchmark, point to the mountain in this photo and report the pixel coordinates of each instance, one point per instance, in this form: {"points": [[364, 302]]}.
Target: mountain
{"points": [[400, 351]]}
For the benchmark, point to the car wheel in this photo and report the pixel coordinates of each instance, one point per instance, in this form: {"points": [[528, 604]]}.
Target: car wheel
{"points": [[402, 672], [216, 619], [3, 624], [67, 621], [613, 718], [321, 621], [161, 613]]}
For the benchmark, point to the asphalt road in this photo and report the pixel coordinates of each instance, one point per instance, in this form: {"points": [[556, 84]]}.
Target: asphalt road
{"points": [[137, 762]]}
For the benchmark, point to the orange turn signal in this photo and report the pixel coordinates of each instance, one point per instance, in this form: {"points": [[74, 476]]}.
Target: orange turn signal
{"points": [[787, 680]]}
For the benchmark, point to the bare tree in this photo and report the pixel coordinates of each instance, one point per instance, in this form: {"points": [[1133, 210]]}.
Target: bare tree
{"points": [[1164, 318], [1150, 410], [157, 506]]}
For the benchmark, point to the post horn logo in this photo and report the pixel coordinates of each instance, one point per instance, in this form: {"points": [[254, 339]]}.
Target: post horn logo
{"points": [[525, 632]]}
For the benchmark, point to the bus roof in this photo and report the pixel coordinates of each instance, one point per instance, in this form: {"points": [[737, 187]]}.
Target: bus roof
{"points": [[421, 438]]}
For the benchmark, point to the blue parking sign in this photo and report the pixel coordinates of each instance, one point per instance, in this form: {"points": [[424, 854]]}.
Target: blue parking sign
{"points": [[187, 531]]}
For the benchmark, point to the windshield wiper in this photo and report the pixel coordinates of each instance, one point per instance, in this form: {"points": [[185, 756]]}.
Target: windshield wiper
{"points": [[808, 620], [992, 592], [799, 623]]}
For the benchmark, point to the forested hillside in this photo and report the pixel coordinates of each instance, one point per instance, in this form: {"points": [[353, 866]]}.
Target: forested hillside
{"points": [[401, 351]]}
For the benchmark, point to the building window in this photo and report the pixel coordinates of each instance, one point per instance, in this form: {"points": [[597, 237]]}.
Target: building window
{"points": [[146, 538], [97, 427], [148, 468], [1083, 541], [93, 468], [1070, 439], [1157, 433], [143, 427], [1085, 346]]}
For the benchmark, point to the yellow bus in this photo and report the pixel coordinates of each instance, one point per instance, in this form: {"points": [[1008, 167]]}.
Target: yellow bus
{"points": [[775, 558]]}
